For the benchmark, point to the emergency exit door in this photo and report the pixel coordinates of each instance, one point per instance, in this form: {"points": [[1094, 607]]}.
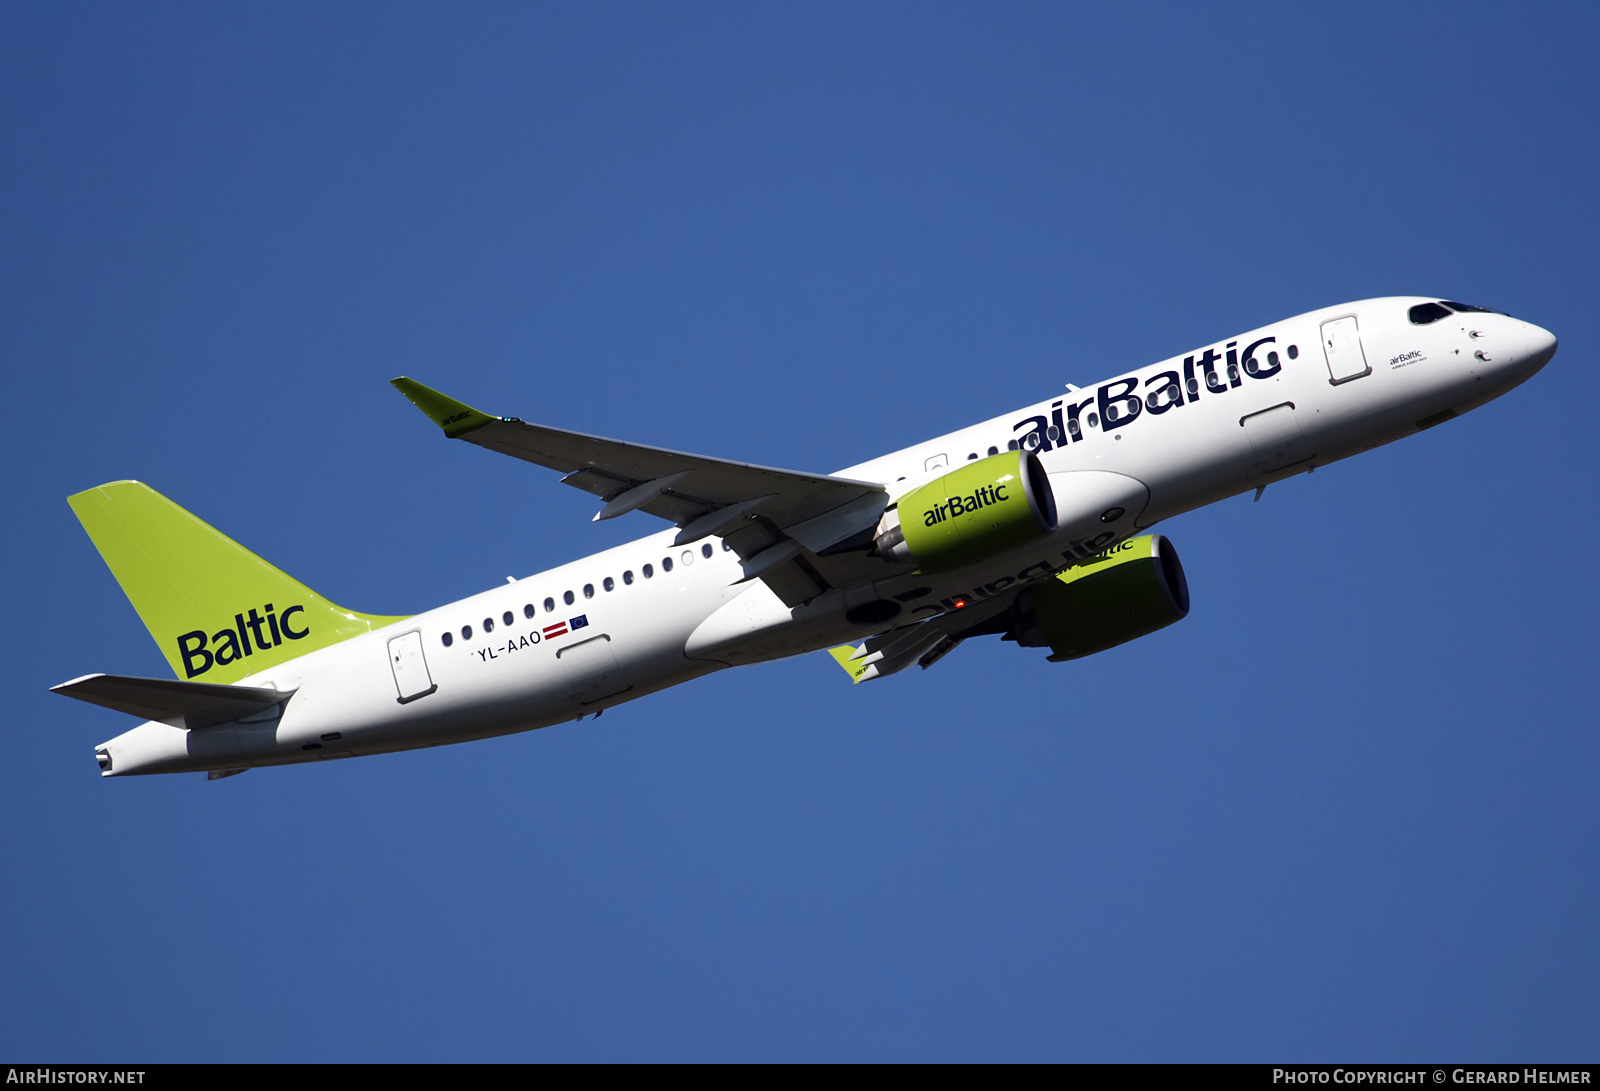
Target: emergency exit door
{"points": [[1341, 344], [410, 667]]}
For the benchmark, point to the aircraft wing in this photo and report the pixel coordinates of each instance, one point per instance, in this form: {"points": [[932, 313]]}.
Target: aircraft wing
{"points": [[780, 522]]}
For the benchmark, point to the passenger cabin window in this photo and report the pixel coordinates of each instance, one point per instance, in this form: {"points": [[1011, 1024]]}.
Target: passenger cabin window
{"points": [[528, 610], [507, 618], [994, 450], [466, 632], [666, 564], [567, 597], [648, 571], [549, 606], [705, 550], [627, 577], [1424, 313], [488, 624], [588, 590], [447, 639], [609, 584]]}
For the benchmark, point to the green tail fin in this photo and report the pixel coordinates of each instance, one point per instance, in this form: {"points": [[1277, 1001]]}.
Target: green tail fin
{"points": [[217, 610]]}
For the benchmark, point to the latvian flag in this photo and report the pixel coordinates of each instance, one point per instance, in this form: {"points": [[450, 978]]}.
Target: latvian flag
{"points": [[561, 628]]}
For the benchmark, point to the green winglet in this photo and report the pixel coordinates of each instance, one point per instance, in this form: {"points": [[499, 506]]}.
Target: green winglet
{"points": [[854, 669], [456, 418]]}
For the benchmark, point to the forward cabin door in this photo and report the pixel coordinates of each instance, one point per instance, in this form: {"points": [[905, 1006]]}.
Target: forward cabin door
{"points": [[411, 677], [1341, 343]]}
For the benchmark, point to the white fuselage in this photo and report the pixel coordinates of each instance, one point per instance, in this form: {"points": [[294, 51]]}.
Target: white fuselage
{"points": [[1208, 425]]}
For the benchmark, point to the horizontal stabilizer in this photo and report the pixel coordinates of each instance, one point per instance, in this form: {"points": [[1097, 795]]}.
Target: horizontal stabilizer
{"points": [[190, 705]]}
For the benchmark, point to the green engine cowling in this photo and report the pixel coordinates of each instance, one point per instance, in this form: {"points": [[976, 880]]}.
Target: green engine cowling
{"points": [[1129, 591], [986, 507]]}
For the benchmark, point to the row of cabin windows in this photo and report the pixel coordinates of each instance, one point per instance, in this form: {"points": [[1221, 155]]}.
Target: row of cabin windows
{"points": [[609, 584]]}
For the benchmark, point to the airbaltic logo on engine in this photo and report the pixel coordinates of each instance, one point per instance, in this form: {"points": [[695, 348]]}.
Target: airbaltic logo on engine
{"points": [[1121, 401], [231, 645], [963, 505]]}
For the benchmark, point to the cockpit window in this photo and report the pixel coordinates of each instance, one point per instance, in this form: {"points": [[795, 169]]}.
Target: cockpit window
{"points": [[1468, 308], [1423, 313]]}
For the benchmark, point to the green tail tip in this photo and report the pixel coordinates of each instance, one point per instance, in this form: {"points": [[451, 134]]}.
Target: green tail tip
{"points": [[456, 418]]}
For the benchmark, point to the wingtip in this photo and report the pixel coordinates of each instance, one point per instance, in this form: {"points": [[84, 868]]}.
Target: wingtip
{"points": [[69, 683], [844, 655], [455, 417]]}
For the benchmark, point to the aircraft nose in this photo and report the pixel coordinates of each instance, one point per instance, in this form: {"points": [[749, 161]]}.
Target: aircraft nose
{"points": [[1540, 345]]}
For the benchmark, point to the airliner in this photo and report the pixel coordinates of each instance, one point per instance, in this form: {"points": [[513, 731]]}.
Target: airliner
{"points": [[1033, 526]]}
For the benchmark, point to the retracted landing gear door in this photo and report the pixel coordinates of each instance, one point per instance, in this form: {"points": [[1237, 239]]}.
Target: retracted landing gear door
{"points": [[411, 676], [1341, 343]]}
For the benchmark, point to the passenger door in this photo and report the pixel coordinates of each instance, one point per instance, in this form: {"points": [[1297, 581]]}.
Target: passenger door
{"points": [[411, 677], [1341, 344]]}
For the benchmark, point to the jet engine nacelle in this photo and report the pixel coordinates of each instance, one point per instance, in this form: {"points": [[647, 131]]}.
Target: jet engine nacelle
{"points": [[1129, 591], [986, 507]]}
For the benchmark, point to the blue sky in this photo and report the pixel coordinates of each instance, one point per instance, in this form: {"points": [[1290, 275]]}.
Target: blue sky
{"points": [[1345, 810]]}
